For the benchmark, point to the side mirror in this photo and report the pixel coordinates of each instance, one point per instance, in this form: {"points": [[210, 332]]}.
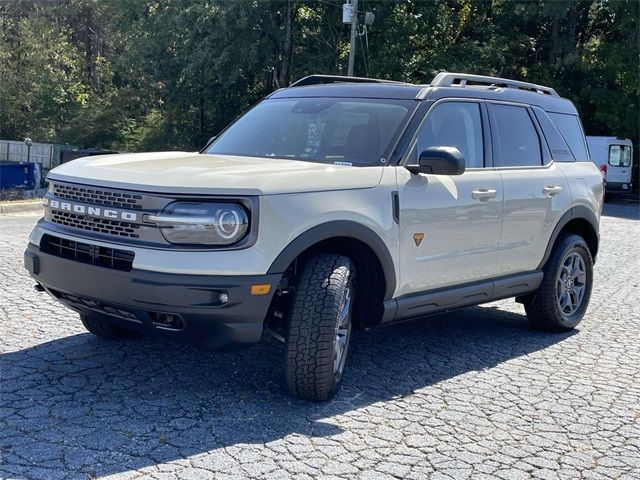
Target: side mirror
{"points": [[439, 161]]}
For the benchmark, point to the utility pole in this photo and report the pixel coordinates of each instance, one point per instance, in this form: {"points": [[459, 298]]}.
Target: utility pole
{"points": [[354, 33]]}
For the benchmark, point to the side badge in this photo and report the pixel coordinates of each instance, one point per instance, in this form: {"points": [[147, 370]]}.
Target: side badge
{"points": [[417, 237]]}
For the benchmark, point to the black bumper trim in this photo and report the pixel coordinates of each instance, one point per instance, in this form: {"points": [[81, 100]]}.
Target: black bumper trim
{"points": [[619, 187], [120, 296]]}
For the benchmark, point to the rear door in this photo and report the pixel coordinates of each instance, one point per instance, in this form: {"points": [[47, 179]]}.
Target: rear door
{"points": [[619, 164], [536, 192]]}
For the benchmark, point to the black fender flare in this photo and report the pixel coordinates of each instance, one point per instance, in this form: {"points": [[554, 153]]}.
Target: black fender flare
{"points": [[577, 212], [339, 228]]}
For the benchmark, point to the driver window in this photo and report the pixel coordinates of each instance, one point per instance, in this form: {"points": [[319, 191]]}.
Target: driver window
{"points": [[454, 124]]}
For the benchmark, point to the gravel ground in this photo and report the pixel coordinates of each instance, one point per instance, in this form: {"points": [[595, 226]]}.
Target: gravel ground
{"points": [[470, 394]]}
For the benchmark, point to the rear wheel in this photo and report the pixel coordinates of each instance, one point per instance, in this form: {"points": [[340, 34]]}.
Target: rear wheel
{"points": [[105, 329], [563, 297], [319, 327]]}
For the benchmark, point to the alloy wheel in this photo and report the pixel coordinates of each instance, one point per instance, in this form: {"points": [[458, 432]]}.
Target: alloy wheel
{"points": [[343, 332], [571, 283]]}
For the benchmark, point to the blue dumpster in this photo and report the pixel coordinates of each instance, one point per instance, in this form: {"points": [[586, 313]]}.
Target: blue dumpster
{"points": [[17, 175]]}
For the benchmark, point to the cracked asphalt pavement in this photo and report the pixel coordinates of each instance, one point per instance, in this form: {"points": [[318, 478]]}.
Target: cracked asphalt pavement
{"points": [[468, 394]]}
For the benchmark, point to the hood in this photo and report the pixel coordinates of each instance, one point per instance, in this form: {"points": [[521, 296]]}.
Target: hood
{"points": [[185, 172]]}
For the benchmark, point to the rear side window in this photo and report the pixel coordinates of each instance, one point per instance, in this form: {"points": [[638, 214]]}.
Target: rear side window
{"points": [[516, 140], [559, 149], [571, 130], [454, 124], [620, 155]]}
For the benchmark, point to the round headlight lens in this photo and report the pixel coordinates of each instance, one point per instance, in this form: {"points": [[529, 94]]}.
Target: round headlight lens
{"points": [[229, 224], [202, 223]]}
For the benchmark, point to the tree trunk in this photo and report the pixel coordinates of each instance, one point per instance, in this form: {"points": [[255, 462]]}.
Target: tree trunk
{"points": [[201, 118], [287, 48], [554, 48]]}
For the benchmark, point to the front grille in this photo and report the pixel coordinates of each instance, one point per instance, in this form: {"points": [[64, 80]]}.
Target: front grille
{"points": [[100, 225], [86, 253], [98, 196]]}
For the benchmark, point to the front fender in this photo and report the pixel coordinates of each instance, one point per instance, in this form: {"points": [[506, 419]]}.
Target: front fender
{"points": [[333, 229]]}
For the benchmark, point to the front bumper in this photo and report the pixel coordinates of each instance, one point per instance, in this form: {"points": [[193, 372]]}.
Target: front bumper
{"points": [[142, 300]]}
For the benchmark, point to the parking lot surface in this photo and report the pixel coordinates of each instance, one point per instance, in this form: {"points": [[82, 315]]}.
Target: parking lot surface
{"points": [[468, 394]]}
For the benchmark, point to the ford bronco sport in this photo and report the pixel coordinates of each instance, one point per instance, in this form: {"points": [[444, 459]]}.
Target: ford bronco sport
{"points": [[335, 204]]}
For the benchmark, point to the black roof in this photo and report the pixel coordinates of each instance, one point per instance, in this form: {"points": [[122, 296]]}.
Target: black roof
{"points": [[346, 87], [400, 91], [546, 102]]}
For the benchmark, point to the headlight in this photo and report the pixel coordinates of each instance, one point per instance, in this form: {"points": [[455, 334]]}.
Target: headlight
{"points": [[202, 223]]}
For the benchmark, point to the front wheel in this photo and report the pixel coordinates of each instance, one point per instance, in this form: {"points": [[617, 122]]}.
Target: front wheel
{"points": [[563, 297], [319, 327]]}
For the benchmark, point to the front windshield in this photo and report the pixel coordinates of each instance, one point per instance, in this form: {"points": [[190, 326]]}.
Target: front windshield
{"points": [[326, 130]]}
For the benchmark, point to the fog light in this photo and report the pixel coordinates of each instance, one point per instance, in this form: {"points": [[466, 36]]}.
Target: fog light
{"points": [[223, 297]]}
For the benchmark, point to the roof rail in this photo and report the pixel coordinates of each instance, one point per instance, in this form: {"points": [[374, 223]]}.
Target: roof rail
{"points": [[320, 79], [447, 79]]}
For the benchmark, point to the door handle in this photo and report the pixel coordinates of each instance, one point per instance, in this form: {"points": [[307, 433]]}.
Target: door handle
{"points": [[551, 190], [483, 194]]}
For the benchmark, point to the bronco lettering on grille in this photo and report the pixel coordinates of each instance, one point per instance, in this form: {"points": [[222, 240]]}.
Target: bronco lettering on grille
{"points": [[90, 211]]}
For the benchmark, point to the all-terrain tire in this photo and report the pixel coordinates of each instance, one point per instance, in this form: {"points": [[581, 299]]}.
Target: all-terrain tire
{"points": [[105, 329], [319, 327], [544, 308]]}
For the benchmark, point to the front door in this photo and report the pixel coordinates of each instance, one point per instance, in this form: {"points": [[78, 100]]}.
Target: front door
{"points": [[450, 225]]}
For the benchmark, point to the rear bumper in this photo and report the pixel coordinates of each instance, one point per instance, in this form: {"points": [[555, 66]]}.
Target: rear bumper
{"points": [[141, 299], [618, 186]]}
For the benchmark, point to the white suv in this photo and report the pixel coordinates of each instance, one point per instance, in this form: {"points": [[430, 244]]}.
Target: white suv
{"points": [[336, 204]]}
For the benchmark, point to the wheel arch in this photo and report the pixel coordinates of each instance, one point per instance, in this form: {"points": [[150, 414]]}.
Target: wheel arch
{"points": [[581, 221], [366, 249]]}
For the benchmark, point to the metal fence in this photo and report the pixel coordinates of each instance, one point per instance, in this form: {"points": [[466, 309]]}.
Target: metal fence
{"points": [[16, 151]]}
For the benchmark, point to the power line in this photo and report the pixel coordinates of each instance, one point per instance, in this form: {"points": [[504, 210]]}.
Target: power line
{"points": [[330, 3], [364, 56]]}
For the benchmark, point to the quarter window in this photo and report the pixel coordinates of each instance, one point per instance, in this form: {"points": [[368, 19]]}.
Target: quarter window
{"points": [[571, 130], [454, 124], [516, 139], [620, 156]]}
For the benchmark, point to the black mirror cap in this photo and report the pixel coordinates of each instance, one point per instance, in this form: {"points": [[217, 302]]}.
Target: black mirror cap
{"points": [[439, 161]]}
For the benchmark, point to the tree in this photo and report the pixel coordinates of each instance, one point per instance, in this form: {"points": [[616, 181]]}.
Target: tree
{"points": [[157, 74]]}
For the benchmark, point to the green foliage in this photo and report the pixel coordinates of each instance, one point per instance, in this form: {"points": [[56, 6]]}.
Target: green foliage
{"points": [[163, 74]]}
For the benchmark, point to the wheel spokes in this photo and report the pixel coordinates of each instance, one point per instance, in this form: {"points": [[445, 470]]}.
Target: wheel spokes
{"points": [[342, 332], [574, 265], [564, 301], [571, 283], [578, 291]]}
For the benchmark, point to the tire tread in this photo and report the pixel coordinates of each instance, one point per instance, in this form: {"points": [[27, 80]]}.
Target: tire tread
{"points": [[542, 310], [312, 324]]}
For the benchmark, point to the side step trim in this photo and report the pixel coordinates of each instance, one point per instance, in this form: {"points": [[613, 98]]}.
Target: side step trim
{"points": [[449, 298]]}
